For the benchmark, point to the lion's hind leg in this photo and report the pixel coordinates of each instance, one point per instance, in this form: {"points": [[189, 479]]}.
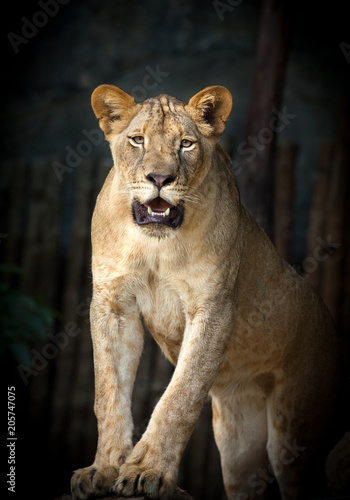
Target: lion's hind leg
{"points": [[240, 429], [298, 440]]}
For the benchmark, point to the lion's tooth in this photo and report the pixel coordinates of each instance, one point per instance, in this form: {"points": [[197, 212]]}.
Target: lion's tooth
{"points": [[155, 214]]}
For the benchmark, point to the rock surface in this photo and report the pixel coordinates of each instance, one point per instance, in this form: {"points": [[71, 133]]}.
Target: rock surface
{"points": [[178, 495]]}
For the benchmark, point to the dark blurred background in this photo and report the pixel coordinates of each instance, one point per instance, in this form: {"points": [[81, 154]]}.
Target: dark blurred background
{"points": [[54, 162]]}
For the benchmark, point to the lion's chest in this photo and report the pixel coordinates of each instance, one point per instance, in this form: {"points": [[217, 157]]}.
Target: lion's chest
{"points": [[162, 312]]}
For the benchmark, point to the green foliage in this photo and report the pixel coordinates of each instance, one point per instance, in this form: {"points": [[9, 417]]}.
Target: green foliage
{"points": [[24, 320]]}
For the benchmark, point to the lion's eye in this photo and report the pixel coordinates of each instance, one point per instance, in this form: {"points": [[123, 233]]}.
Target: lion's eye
{"points": [[186, 143], [137, 139]]}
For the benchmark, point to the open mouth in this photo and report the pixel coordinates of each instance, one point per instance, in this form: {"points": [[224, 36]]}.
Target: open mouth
{"points": [[158, 211]]}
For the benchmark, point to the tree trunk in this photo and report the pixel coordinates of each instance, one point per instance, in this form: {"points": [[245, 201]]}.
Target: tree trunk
{"points": [[256, 160]]}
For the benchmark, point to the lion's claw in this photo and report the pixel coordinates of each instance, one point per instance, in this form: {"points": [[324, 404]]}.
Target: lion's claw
{"points": [[91, 482], [135, 480]]}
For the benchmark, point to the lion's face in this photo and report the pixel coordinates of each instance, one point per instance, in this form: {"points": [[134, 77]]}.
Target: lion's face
{"points": [[160, 154], [162, 149]]}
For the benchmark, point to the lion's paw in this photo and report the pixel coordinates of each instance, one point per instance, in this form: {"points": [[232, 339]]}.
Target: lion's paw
{"points": [[134, 480], [93, 482]]}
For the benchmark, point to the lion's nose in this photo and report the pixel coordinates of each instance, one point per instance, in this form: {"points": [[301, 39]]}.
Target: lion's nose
{"points": [[160, 180]]}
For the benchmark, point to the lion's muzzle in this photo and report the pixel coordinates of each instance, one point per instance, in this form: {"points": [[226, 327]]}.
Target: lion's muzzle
{"points": [[158, 211]]}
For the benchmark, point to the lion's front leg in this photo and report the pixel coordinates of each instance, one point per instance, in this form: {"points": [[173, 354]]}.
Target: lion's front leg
{"points": [[117, 343], [152, 466]]}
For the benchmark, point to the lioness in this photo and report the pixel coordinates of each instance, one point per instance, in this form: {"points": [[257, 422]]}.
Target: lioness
{"points": [[174, 250]]}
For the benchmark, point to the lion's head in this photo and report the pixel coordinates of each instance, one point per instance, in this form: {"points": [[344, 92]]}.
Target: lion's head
{"points": [[162, 149]]}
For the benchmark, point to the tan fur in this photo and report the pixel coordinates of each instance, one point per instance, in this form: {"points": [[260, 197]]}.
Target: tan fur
{"points": [[227, 311]]}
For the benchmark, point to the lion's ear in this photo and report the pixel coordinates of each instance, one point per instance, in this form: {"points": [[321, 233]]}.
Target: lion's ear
{"points": [[210, 109], [113, 107]]}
